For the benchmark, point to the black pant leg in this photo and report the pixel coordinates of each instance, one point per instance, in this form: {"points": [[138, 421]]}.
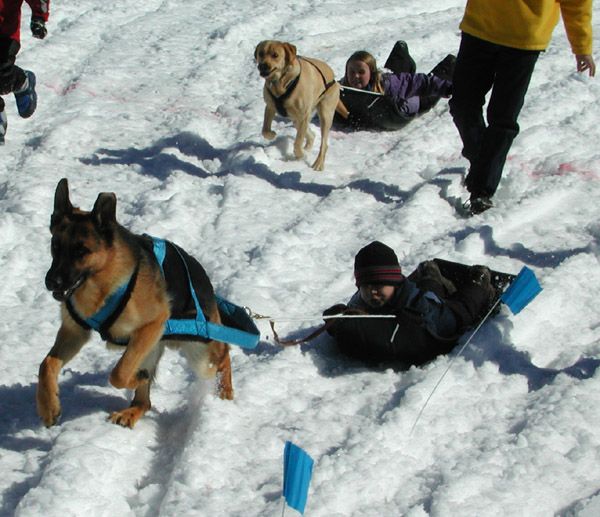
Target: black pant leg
{"points": [[472, 80], [514, 68], [12, 77]]}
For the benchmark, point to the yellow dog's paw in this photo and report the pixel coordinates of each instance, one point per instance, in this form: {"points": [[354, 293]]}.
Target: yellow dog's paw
{"points": [[319, 164], [48, 407], [269, 135]]}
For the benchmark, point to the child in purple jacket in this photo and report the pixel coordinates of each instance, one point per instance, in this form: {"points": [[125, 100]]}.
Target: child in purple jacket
{"points": [[412, 93]]}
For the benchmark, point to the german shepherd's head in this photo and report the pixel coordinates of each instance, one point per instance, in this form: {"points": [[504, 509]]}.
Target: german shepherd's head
{"points": [[81, 241]]}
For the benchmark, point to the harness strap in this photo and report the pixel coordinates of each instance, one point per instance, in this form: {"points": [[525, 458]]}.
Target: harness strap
{"points": [[292, 86], [200, 327], [292, 342], [114, 305], [280, 100], [331, 319], [326, 84], [194, 327]]}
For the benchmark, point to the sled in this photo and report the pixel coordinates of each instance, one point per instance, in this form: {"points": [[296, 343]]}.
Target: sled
{"points": [[458, 274], [370, 110], [404, 339]]}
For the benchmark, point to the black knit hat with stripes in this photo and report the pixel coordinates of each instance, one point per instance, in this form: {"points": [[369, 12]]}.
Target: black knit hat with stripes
{"points": [[377, 263]]}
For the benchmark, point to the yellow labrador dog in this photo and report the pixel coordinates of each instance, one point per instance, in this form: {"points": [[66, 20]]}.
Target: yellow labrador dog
{"points": [[294, 87]]}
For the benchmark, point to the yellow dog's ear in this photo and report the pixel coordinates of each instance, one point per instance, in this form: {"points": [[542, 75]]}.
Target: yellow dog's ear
{"points": [[290, 52], [257, 49]]}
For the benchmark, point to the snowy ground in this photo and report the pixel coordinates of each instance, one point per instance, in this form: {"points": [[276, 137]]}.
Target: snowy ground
{"points": [[160, 102]]}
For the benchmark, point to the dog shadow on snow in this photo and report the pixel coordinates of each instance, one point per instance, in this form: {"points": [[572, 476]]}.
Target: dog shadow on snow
{"points": [[17, 405], [21, 430], [159, 161]]}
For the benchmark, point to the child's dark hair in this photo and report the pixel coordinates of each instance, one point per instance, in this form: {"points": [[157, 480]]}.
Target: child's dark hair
{"points": [[368, 59]]}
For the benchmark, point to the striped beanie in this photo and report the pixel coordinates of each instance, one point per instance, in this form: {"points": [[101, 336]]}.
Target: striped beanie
{"points": [[377, 263]]}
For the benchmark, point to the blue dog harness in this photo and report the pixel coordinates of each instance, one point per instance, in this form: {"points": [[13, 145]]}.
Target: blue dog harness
{"points": [[244, 334]]}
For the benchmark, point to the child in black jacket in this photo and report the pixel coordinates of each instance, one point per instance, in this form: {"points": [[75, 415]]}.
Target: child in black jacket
{"points": [[431, 313]]}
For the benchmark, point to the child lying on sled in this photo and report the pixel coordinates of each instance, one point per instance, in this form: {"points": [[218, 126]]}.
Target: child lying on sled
{"points": [[410, 93], [431, 312]]}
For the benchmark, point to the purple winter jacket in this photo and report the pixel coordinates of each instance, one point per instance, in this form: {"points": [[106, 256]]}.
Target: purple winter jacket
{"points": [[405, 89]]}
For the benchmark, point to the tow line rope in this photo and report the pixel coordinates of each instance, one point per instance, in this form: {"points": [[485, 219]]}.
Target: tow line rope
{"points": [[329, 321]]}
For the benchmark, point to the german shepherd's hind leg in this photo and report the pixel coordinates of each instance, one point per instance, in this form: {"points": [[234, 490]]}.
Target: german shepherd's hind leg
{"points": [[140, 404], [219, 356], [211, 360]]}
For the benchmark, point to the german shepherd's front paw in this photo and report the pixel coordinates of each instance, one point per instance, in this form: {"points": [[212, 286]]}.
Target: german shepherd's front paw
{"points": [[46, 395], [127, 417]]}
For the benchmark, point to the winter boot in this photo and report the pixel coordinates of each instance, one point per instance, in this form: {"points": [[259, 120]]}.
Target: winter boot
{"points": [[26, 97], [429, 277], [400, 60], [481, 276], [445, 68], [3, 126], [478, 203]]}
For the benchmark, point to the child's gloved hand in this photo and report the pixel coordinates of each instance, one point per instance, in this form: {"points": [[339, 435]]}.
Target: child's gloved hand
{"points": [[353, 120], [335, 309], [38, 27]]}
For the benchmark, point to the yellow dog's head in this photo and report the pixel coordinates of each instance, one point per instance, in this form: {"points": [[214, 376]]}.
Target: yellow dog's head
{"points": [[274, 57]]}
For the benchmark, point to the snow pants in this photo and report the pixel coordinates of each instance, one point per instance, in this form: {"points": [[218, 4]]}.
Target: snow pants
{"points": [[11, 76]]}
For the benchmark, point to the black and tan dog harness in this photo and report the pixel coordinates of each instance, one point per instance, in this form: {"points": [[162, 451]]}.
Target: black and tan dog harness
{"points": [[292, 86]]}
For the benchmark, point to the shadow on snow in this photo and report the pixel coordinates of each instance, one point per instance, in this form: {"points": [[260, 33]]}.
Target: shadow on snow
{"points": [[158, 162]]}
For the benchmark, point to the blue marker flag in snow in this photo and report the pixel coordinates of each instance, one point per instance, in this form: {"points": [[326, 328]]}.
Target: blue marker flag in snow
{"points": [[521, 291], [297, 470]]}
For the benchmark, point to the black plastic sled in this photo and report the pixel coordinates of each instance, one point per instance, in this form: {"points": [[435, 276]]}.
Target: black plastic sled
{"points": [[371, 110], [458, 274]]}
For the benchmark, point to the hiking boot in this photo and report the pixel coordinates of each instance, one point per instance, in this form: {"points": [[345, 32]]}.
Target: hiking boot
{"points": [[3, 126], [478, 203], [481, 276], [429, 270], [445, 68], [26, 97]]}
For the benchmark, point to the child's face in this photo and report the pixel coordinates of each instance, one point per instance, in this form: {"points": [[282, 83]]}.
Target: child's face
{"points": [[358, 74], [376, 295]]}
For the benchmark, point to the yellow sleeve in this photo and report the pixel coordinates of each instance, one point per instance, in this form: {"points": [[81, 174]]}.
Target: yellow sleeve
{"points": [[577, 17]]}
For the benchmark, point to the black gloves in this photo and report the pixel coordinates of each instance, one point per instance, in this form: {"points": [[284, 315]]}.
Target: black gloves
{"points": [[38, 27], [353, 120], [335, 309]]}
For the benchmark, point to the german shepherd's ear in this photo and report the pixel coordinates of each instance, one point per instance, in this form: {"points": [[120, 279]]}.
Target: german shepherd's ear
{"points": [[290, 52], [62, 204], [104, 212]]}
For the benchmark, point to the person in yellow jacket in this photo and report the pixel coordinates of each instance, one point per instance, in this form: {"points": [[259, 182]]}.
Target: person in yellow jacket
{"points": [[500, 44]]}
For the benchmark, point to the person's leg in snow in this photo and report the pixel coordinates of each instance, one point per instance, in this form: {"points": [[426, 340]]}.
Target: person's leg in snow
{"points": [[26, 97], [482, 66], [14, 79]]}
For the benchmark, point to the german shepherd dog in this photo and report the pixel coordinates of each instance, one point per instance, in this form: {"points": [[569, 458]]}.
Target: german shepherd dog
{"points": [[92, 256]]}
